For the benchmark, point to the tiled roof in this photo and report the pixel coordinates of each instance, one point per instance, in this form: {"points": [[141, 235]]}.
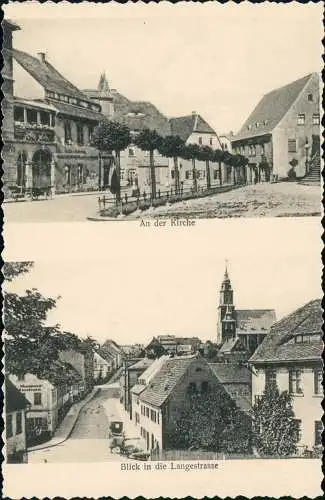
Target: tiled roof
{"points": [[138, 388], [77, 111], [279, 344], [142, 364], [153, 369], [35, 103], [229, 345], [255, 319], [184, 126], [271, 109], [228, 373], [46, 75], [164, 382], [15, 400], [137, 115]]}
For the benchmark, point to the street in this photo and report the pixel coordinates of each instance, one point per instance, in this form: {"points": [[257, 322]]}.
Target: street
{"points": [[89, 439]]}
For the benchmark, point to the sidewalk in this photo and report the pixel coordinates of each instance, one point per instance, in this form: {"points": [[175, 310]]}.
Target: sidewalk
{"points": [[66, 427]]}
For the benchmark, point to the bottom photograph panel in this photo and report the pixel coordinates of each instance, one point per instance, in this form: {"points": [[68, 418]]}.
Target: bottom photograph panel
{"points": [[180, 357]]}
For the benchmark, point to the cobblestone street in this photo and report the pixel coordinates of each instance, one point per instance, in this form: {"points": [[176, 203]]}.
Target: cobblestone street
{"points": [[89, 439]]}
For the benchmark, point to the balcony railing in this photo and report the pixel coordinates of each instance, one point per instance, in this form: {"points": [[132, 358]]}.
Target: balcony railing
{"points": [[35, 133]]}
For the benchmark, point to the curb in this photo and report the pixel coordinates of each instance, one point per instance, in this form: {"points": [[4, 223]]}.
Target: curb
{"points": [[49, 445]]}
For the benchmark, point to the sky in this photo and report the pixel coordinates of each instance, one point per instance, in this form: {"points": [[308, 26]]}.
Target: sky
{"points": [[136, 283], [218, 60]]}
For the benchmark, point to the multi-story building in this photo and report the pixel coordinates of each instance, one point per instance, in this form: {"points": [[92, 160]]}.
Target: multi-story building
{"points": [[158, 404], [193, 129], [129, 377], [49, 396], [291, 357], [111, 351], [47, 127], [102, 367], [237, 381], [240, 331], [225, 141], [16, 407], [281, 137]]}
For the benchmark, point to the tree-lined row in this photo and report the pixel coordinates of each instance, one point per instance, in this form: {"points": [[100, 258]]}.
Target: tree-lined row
{"points": [[111, 136]]}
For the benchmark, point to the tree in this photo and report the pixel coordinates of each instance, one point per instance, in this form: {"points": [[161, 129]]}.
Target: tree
{"points": [[275, 429], [192, 152], [155, 349], [212, 422], [150, 140], [172, 147], [13, 269], [218, 157], [206, 154], [111, 136]]}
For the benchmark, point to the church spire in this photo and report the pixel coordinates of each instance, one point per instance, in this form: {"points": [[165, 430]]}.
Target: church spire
{"points": [[103, 83]]}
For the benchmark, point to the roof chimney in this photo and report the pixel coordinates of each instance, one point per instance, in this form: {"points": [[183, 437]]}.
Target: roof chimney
{"points": [[194, 113], [42, 56]]}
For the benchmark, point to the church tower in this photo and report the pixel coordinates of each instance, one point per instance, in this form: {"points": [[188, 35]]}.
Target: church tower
{"points": [[105, 97], [226, 322]]}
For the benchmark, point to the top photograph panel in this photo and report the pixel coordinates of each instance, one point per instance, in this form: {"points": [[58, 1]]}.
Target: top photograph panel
{"points": [[115, 112]]}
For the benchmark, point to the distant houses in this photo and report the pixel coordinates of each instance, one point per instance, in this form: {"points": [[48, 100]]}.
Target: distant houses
{"points": [[281, 137]]}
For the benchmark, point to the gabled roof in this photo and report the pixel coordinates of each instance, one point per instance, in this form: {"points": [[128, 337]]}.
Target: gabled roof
{"points": [[46, 75], [138, 388], [279, 344], [271, 109], [142, 364], [15, 400], [165, 381], [231, 345], [184, 126], [229, 373], [258, 320], [153, 369], [137, 115]]}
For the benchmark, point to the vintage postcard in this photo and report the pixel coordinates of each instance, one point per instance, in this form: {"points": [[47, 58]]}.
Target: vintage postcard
{"points": [[179, 354], [143, 111]]}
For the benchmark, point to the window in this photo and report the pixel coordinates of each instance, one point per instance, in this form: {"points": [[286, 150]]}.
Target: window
{"points": [[80, 135], [67, 132], [73, 100], [200, 140], [298, 424], [301, 119], [31, 116], [204, 387], [318, 379], [270, 378], [172, 173], [310, 97], [215, 174], [211, 141], [318, 432], [131, 152], [187, 174], [292, 146], [19, 114], [295, 384], [316, 120], [191, 388], [9, 430], [37, 398], [90, 132], [19, 423], [21, 377], [45, 118], [147, 412], [157, 418]]}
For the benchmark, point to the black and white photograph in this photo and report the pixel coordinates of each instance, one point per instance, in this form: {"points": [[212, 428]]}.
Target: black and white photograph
{"points": [[220, 118], [178, 354]]}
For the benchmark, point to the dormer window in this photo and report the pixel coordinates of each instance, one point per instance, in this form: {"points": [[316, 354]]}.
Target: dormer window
{"points": [[310, 97], [73, 100]]}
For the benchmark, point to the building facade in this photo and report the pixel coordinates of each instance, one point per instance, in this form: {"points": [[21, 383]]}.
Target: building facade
{"points": [[281, 137], [290, 357], [47, 128], [16, 407]]}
